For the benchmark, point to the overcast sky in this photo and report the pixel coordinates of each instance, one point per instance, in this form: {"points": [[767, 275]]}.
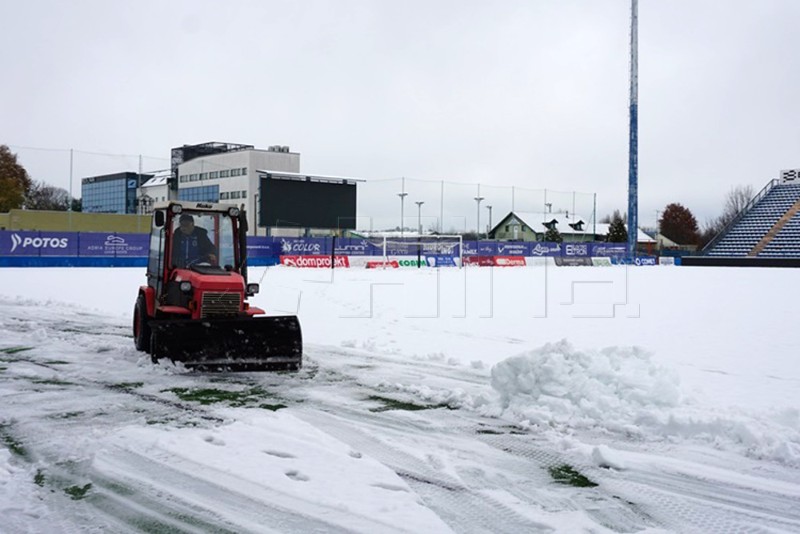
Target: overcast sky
{"points": [[531, 94]]}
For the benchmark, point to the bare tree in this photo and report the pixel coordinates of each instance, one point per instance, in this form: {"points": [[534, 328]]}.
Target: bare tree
{"points": [[42, 196], [735, 201], [608, 219]]}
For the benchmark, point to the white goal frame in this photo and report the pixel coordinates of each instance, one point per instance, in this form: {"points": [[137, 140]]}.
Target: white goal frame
{"points": [[430, 244]]}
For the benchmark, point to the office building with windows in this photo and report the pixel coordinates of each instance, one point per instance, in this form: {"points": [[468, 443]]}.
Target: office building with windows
{"points": [[227, 173], [112, 193]]}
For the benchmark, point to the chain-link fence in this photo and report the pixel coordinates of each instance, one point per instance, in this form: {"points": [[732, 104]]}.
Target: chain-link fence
{"points": [[411, 205], [396, 204]]}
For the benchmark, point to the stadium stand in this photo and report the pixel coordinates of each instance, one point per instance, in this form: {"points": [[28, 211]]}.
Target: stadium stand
{"points": [[769, 226]]}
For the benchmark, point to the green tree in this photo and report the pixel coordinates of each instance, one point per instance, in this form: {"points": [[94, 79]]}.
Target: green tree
{"points": [[553, 235], [14, 181], [616, 230], [678, 224]]}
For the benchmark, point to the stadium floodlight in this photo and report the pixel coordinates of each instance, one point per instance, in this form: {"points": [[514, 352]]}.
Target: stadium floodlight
{"points": [[478, 228], [402, 196], [419, 204]]}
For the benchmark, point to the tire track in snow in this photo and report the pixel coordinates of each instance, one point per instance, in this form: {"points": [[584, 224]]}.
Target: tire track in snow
{"points": [[437, 452]]}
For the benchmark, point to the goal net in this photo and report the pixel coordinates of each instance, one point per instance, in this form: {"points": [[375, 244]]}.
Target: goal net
{"points": [[443, 245]]}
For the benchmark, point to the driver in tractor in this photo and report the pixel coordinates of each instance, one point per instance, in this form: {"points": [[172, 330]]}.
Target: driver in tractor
{"points": [[191, 244]]}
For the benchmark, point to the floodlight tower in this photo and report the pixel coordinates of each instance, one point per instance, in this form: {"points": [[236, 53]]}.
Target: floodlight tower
{"points": [[633, 144]]}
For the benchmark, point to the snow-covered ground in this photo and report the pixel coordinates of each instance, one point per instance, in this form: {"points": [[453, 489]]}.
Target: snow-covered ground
{"points": [[541, 399]]}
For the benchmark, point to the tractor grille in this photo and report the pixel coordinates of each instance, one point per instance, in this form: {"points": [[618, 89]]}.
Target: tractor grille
{"points": [[220, 304]]}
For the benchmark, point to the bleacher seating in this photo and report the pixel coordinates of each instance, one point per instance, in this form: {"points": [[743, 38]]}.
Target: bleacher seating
{"points": [[786, 243], [751, 228]]}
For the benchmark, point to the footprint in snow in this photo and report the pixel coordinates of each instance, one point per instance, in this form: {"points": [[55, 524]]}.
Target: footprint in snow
{"points": [[280, 454], [297, 475], [213, 440], [390, 487]]}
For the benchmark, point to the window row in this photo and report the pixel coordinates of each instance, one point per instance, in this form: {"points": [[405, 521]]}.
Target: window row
{"points": [[208, 193], [232, 195], [213, 175]]}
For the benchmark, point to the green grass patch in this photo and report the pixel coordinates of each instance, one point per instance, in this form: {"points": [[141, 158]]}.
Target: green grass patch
{"points": [[566, 474], [12, 443], [235, 399], [14, 350], [57, 362], [394, 404], [77, 493], [118, 488], [52, 382], [39, 478], [272, 407]]}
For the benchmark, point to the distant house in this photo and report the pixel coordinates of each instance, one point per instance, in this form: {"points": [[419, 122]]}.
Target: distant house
{"points": [[531, 226], [156, 189]]}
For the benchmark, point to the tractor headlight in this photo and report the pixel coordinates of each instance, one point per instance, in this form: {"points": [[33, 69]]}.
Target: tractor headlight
{"points": [[186, 287], [233, 212], [176, 208], [252, 289]]}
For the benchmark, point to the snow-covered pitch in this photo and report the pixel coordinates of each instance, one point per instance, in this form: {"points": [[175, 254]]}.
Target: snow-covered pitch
{"points": [[539, 399]]}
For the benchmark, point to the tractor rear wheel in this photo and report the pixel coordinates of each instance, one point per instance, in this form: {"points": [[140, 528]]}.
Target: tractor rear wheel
{"points": [[141, 329]]}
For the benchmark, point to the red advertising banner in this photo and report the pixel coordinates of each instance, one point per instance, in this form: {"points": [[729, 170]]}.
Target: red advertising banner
{"points": [[314, 261], [495, 261], [382, 264], [509, 261], [481, 261]]}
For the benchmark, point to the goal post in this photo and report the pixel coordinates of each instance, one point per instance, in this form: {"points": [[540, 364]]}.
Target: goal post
{"points": [[439, 245]]}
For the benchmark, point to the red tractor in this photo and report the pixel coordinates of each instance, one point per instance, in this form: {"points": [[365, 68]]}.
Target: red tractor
{"points": [[194, 307]]}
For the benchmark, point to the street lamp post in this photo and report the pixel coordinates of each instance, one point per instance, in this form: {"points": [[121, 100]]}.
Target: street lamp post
{"points": [[658, 229], [489, 207], [402, 207], [255, 215], [419, 204], [478, 201]]}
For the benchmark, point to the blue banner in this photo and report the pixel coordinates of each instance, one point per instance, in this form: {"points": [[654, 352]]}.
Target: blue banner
{"points": [[29, 243], [513, 248], [440, 261], [267, 250], [619, 250], [358, 247], [261, 247], [638, 260], [545, 249], [115, 245]]}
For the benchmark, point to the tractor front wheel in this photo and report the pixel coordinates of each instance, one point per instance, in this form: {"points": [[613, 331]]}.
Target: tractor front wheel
{"points": [[141, 329]]}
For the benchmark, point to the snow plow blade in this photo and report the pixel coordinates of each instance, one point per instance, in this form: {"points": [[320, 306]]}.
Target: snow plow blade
{"points": [[240, 344]]}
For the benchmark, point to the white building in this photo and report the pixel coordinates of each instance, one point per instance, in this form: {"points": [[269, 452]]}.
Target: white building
{"points": [[232, 177], [156, 189]]}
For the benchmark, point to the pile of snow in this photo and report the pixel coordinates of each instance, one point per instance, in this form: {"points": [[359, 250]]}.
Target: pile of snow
{"points": [[558, 384], [621, 390]]}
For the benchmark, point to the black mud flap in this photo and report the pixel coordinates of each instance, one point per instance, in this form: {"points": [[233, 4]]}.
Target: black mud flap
{"points": [[241, 344]]}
